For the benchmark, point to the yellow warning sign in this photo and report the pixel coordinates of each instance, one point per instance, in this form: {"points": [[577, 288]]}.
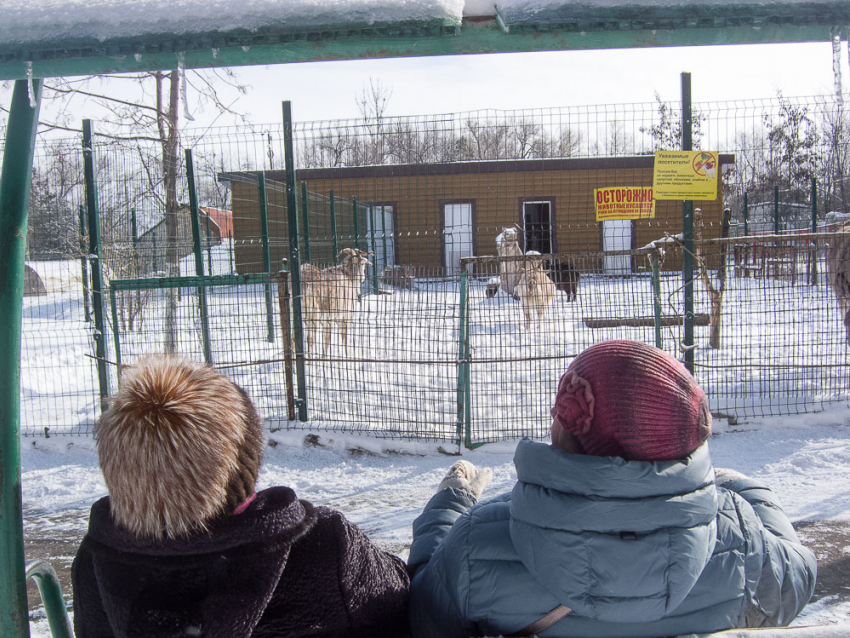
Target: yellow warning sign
{"points": [[685, 175], [624, 202]]}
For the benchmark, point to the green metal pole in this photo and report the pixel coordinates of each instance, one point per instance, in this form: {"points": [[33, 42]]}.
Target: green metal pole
{"points": [[688, 232], [94, 256], [195, 212], [267, 260], [746, 216], [50, 591], [814, 279], [305, 220], [333, 227], [374, 251], [209, 244], [294, 260], [15, 182], [356, 224], [115, 327], [84, 264], [656, 295], [463, 367], [51, 595], [384, 232], [775, 210], [230, 250]]}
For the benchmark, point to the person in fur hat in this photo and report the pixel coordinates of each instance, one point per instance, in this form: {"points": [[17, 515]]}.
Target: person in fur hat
{"points": [[184, 546], [620, 528]]}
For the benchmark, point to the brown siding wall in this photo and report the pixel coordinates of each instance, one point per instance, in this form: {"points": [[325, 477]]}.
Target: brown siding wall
{"points": [[497, 197]]}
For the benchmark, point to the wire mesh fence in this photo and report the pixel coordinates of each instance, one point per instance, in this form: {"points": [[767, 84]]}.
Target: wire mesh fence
{"points": [[430, 198]]}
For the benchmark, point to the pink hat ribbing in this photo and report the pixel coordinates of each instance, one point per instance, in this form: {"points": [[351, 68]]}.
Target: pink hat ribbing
{"points": [[628, 399]]}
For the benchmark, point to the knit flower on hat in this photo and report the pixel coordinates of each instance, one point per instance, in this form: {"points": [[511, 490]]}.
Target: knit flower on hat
{"points": [[574, 406]]}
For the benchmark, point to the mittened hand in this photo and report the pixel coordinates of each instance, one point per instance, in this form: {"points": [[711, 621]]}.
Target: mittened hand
{"points": [[463, 475], [724, 475]]}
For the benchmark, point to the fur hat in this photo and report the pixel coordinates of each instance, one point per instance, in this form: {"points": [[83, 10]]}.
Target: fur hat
{"points": [[179, 444], [628, 399]]}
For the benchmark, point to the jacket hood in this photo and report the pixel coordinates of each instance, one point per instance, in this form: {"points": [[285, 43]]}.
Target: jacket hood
{"points": [[215, 582], [615, 540]]}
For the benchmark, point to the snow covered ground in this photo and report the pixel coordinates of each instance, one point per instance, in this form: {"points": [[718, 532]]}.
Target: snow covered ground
{"points": [[382, 485]]}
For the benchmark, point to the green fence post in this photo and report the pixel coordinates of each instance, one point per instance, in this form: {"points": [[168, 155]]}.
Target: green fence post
{"points": [[84, 264], [384, 232], [333, 227], [688, 232], [356, 224], [814, 278], [115, 327], [267, 260], [209, 245], [463, 364], [294, 260], [199, 256], [746, 216], [15, 182], [775, 210], [374, 251], [94, 255], [230, 250], [656, 296], [305, 220]]}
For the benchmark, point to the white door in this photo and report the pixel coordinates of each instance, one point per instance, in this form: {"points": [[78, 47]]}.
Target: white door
{"points": [[382, 238], [617, 235], [457, 235]]}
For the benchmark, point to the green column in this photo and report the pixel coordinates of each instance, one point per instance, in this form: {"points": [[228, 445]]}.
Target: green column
{"points": [[688, 232], [775, 210], [305, 220], [333, 227], [84, 264], [94, 256], [15, 182], [814, 279], [746, 216], [267, 260], [195, 212], [374, 251], [294, 261]]}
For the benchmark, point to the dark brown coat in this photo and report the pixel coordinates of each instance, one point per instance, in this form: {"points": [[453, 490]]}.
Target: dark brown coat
{"points": [[281, 568]]}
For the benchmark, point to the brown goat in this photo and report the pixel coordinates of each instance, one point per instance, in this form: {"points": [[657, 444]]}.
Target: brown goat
{"points": [[329, 295], [535, 290], [838, 273]]}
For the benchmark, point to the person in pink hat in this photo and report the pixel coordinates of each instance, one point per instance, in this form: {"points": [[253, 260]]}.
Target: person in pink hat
{"points": [[620, 528]]}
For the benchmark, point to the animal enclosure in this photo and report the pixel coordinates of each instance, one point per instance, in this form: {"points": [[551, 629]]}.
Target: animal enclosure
{"points": [[428, 353]]}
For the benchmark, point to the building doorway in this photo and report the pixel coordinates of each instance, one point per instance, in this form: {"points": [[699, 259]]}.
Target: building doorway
{"points": [[537, 226]]}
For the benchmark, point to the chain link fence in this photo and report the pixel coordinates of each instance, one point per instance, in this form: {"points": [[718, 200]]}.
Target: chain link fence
{"points": [[430, 352]]}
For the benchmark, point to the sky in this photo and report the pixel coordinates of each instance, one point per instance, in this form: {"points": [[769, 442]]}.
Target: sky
{"points": [[422, 86]]}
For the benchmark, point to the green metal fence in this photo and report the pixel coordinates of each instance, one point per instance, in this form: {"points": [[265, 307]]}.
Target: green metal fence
{"points": [[426, 355]]}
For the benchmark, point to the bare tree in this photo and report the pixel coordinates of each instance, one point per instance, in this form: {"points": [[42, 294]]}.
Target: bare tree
{"points": [[715, 292]]}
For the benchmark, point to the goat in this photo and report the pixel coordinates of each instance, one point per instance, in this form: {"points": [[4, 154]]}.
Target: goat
{"points": [[329, 295], [535, 290], [507, 245], [838, 273]]}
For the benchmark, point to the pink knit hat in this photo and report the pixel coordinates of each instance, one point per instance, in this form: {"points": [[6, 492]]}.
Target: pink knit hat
{"points": [[628, 399]]}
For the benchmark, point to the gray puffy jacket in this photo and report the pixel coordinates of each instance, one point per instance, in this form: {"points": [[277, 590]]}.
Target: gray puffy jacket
{"points": [[633, 548]]}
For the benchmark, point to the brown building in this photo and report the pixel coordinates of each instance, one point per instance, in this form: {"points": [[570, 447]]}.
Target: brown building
{"points": [[429, 216]]}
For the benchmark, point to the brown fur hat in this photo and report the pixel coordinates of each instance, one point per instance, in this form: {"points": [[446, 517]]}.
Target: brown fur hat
{"points": [[178, 445]]}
